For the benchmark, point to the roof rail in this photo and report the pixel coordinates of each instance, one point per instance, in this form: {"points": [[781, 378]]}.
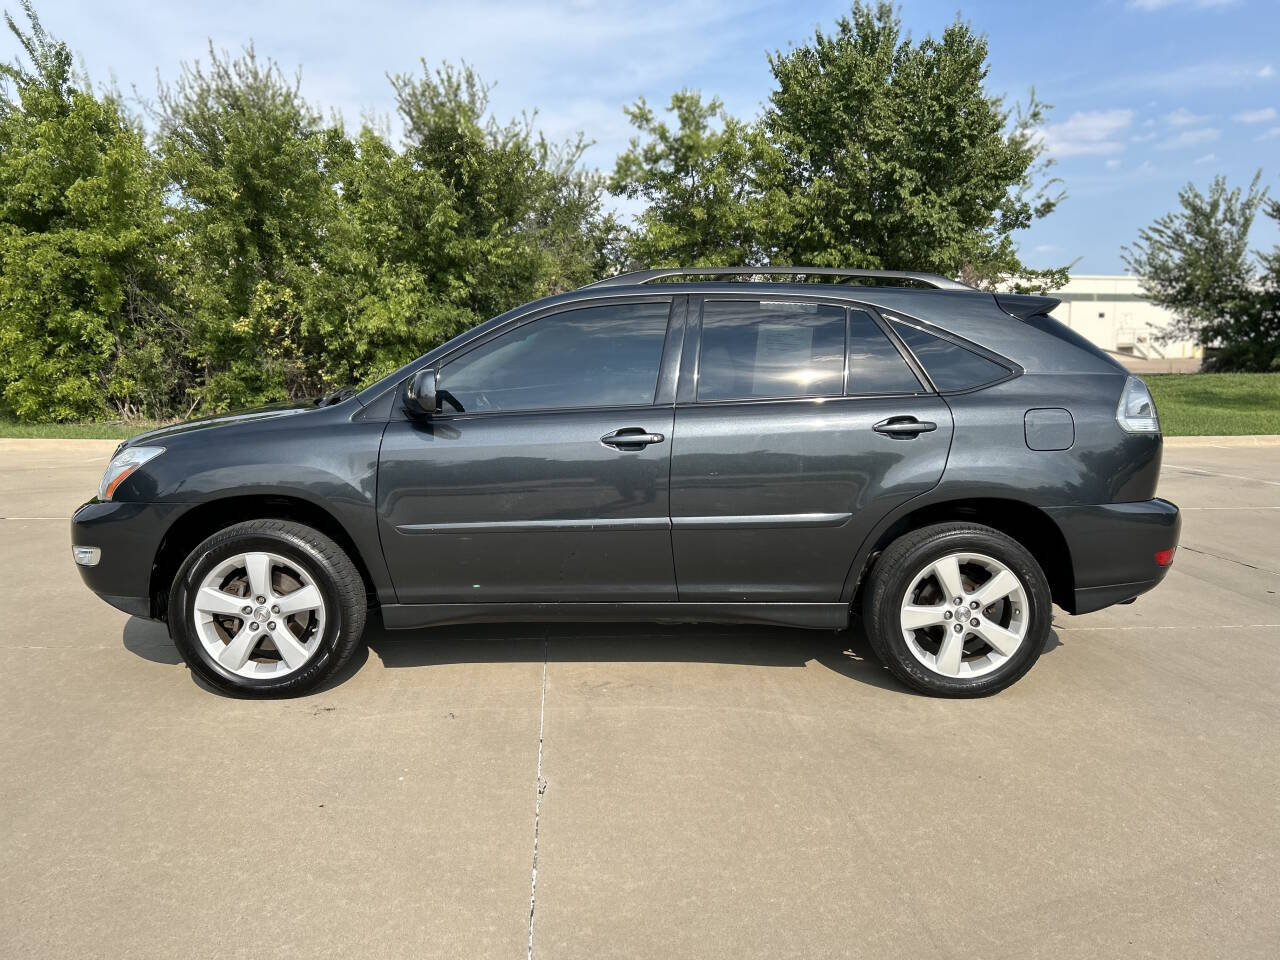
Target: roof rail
{"points": [[645, 276]]}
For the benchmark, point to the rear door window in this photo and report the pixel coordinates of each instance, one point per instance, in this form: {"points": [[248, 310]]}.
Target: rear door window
{"points": [[768, 349], [950, 366]]}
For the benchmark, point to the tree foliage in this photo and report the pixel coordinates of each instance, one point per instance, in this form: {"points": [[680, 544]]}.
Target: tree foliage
{"points": [[873, 151], [255, 250], [1196, 262], [696, 181], [320, 259], [82, 321], [245, 248]]}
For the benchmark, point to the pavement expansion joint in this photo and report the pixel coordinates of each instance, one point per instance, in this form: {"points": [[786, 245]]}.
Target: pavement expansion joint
{"points": [[540, 791]]}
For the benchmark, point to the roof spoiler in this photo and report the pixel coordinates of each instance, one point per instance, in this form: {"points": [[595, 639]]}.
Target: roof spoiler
{"points": [[1023, 305]]}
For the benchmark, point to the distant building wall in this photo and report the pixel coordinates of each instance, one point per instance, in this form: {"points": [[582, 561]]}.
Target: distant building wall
{"points": [[1113, 312]]}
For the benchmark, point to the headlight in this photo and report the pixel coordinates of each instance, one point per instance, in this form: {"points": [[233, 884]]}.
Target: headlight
{"points": [[123, 464], [1137, 411]]}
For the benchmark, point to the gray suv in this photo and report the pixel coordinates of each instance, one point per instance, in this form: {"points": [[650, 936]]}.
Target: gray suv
{"points": [[670, 445]]}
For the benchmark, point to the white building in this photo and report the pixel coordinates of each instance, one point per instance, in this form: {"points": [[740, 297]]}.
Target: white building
{"points": [[1113, 312]]}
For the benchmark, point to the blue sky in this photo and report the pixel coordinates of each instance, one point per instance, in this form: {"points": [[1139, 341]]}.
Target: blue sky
{"points": [[1147, 94]]}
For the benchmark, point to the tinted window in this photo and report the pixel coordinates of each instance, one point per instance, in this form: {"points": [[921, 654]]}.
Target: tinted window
{"points": [[1055, 328], [593, 357], [875, 365], [762, 349], [950, 366]]}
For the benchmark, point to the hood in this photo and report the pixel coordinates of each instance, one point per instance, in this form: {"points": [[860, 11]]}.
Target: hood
{"points": [[285, 408]]}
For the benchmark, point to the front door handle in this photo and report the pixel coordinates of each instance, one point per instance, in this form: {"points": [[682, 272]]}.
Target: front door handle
{"points": [[904, 428], [631, 438]]}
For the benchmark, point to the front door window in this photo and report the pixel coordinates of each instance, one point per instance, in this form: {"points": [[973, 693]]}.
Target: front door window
{"points": [[606, 356]]}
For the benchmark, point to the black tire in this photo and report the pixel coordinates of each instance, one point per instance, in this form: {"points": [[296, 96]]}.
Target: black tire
{"points": [[329, 567], [892, 575]]}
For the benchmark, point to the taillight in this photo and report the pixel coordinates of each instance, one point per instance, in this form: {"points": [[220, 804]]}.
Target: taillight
{"points": [[1137, 411], [1165, 557]]}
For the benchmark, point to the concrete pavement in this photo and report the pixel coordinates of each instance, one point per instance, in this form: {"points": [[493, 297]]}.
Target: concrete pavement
{"points": [[687, 791]]}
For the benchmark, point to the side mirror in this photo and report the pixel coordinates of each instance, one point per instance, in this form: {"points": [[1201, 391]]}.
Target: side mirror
{"points": [[420, 398]]}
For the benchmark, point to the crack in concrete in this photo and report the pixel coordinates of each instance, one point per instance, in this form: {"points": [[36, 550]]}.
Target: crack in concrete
{"points": [[537, 803], [1201, 472], [1218, 556]]}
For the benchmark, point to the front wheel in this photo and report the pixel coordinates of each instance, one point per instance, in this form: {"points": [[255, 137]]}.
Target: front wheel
{"points": [[267, 608], [957, 609]]}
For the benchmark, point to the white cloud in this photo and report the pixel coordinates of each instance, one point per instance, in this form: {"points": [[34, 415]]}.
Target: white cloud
{"points": [[1255, 116], [1088, 133], [1113, 163], [1183, 118], [1150, 6], [1207, 158], [1189, 138], [1144, 138], [1271, 134], [1189, 78]]}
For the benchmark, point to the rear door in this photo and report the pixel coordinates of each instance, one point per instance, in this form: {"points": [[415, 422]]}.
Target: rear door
{"points": [[546, 475], [798, 424]]}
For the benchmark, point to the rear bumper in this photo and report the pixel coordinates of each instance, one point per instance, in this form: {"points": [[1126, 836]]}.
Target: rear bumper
{"points": [[128, 534], [1113, 547]]}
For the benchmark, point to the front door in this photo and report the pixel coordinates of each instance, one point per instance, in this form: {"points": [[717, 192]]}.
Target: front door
{"points": [[545, 478], [804, 424]]}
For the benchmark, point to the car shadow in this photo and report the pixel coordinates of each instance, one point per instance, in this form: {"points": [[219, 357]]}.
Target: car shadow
{"points": [[846, 652], [149, 639]]}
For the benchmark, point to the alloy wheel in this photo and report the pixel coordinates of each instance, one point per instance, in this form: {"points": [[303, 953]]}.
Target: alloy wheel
{"points": [[259, 615], [964, 615]]}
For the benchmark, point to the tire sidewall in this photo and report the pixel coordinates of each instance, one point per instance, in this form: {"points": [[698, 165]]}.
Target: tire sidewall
{"points": [[214, 551], [888, 602]]}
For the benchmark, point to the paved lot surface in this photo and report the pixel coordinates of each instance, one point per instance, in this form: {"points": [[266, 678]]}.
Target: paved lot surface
{"points": [[707, 792]]}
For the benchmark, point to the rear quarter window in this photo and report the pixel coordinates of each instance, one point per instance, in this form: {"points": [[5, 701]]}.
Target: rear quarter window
{"points": [[1054, 328], [950, 366]]}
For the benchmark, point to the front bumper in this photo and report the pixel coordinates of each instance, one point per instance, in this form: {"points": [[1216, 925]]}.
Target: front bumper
{"points": [[1113, 548], [128, 535]]}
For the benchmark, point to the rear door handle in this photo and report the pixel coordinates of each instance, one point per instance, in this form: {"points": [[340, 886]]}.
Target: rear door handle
{"points": [[631, 438], [904, 428]]}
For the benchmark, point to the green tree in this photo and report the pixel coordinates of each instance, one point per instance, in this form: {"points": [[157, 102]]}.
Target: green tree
{"points": [[891, 154], [1196, 263], [697, 183], [250, 167], [84, 276], [468, 219], [319, 259], [515, 217], [872, 151]]}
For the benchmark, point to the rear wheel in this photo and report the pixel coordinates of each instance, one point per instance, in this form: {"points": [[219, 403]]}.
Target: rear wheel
{"points": [[267, 607], [958, 610]]}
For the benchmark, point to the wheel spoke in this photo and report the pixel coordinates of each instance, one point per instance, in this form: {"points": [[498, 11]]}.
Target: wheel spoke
{"points": [[291, 651], [213, 601], [258, 567], [914, 616], [947, 570], [950, 652], [997, 588], [299, 601], [236, 653], [1003, 641]]}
